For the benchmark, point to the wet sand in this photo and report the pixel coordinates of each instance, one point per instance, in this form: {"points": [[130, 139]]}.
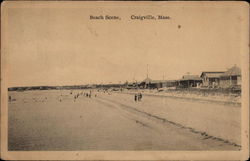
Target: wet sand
{"points": [[54, 120]]}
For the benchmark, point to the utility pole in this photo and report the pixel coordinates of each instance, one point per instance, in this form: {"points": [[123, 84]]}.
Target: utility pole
{"points": [[147, 70]]}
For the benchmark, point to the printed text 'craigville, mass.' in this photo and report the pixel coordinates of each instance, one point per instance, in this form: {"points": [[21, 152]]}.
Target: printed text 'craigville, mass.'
{"points": [[131, 17]]}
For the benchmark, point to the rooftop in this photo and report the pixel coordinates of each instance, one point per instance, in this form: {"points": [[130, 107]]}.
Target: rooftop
{"points": [[234, 71], [191, 77], [212, 74]]}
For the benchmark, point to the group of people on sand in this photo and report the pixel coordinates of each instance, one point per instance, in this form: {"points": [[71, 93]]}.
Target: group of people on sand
{"points": [[77, 95], [86, 94], [89, 94], [138, 97]]}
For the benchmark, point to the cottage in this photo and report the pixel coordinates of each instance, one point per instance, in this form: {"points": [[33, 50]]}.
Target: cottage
{"points": [[155, 84], [145, 83], [130, 85], [169, 83], [149, 83], [210, 78], [189, 81], [231, 78]]}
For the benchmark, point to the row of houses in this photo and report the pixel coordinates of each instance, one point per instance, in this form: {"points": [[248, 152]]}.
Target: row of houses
{"points": [[208, 79]]}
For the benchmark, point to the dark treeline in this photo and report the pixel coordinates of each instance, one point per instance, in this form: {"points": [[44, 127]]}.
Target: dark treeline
{"points": [[65, 87], [45, 88]]}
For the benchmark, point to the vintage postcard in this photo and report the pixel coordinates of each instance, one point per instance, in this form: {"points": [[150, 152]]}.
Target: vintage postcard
{"points": [[124, 80]]}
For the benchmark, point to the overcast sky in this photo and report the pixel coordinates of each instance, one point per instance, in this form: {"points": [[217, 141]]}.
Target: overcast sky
{"points": [[56, 45]]}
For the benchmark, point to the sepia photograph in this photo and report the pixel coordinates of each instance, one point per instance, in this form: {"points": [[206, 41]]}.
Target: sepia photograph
{"points": [[150, 78]]}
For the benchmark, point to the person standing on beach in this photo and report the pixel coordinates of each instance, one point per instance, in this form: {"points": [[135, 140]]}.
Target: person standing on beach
{"points": [[90, 92], [140, 96], [135, 97]]}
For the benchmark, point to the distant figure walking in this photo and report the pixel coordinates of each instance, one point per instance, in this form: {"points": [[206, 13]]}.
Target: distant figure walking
{"points": [[9, 98], [139, 96], [90, 92], [135, 97]]}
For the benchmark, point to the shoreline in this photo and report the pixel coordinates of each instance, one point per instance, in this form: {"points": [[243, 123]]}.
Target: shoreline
{"points": [[191, 98], [208, 98]]}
